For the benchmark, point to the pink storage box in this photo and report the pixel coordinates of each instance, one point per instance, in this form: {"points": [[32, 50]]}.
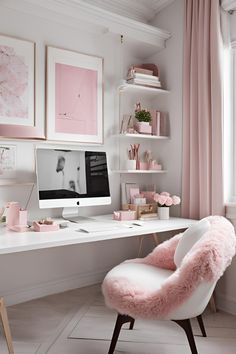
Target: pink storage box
{"points": [[44, 227], [124, 215], [155, 166], [143, 165]]}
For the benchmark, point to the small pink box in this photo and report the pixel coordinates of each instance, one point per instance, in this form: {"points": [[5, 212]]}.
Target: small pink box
{"points": [[44, 227], [155, 166], [121, 215]]}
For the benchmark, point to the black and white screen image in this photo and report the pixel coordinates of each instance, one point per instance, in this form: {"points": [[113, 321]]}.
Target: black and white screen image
{"points": [[71, 174]]}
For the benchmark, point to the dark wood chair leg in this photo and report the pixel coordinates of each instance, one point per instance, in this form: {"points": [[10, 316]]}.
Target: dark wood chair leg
{"points": [[121, 319], [186, 325], [201, 325], [131, 326]]}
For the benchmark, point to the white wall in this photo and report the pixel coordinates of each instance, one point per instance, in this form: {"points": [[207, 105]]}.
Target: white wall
{"points": [[32, 274], [170, 63]]}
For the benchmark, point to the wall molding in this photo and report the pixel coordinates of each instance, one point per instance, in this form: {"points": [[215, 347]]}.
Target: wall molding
{"points": [[233, 44], [75, 281], [77, 12]]}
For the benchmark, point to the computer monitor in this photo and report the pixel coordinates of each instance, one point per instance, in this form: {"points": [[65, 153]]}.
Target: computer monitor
{"points": [[71, 178]]}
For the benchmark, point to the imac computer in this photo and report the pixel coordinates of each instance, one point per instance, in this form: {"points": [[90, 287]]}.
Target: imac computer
{"points": [[71, 179]]}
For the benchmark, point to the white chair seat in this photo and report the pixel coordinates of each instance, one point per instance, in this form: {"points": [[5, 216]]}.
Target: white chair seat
{"points": [[146, 276]]}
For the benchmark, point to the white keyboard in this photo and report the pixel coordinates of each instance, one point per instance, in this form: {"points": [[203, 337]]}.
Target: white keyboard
{"points": [[101, 227]]}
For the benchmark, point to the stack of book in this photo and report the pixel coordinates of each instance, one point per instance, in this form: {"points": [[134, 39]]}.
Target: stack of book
{"points": [[144, 77]]}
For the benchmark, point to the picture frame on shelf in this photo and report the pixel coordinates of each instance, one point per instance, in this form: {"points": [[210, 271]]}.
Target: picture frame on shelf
{"points": [[17, 89], [74, 96]]}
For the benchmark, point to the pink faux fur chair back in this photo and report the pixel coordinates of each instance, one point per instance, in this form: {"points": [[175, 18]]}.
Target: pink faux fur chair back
{"points": [[171, 287]]}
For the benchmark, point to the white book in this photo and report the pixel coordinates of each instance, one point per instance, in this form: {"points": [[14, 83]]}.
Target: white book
{"points": [[144, 76]]}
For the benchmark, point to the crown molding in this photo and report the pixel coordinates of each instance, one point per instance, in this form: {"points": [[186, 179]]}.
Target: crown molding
{"points": [[77, 12], [140, 10], [228, 5]]}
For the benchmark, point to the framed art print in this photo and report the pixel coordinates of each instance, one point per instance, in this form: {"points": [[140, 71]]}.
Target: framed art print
{"points": [[17, 88], [74, 96]]}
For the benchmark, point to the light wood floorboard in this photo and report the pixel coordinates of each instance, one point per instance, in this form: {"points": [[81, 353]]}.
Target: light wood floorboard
{"points": [[45, 326]]}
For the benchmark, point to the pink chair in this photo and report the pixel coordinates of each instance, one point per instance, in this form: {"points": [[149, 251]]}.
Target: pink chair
{"points": [[174, 282]]}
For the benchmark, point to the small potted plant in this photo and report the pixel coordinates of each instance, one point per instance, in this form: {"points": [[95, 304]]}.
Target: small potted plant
{"points": [[164, 201], [144, 119]]}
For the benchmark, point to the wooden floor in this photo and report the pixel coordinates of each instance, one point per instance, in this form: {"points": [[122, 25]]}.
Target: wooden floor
{"points": [[47, 325]]}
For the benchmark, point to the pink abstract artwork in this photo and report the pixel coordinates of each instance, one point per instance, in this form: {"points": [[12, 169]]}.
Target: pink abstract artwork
{"points": [[13, 84], [76, 91]]}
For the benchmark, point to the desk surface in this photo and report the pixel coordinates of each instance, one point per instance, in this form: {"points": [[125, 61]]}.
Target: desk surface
{"points": [[12, 242]]}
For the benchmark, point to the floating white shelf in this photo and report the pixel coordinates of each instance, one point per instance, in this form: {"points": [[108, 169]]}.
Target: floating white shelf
{"points": [[139, 171], [142, 136], [15, 183], [142, 89]]}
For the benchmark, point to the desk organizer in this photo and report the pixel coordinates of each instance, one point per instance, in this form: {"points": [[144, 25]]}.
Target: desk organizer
{"points": [[140, 209], [121, 215], [45, 227]]}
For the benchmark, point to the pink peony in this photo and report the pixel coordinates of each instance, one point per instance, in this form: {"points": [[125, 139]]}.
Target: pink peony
{"points": [[176, 199], [162, 199], [155, 197], [165, 193], [169, 201]]}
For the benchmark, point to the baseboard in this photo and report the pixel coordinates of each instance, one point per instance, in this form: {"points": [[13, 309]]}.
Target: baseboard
{"points": [[226, 303], [53, 287]]}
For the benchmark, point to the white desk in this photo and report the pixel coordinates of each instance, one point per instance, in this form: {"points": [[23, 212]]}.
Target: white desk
{"points": [[12, 242]]}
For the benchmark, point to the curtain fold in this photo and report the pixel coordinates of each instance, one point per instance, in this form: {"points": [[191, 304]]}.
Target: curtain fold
{"points": [[202, 177]]}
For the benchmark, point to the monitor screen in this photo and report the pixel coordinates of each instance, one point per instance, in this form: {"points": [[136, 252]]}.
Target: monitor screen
{"points": [[68, 178]]}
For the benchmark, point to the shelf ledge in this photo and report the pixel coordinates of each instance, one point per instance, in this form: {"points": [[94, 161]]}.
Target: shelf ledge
{"points": [[142, 136], [140, 171], [139, 88]]}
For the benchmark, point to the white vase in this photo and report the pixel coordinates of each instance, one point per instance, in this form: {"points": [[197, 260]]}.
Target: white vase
{"points": [[163, 213]]}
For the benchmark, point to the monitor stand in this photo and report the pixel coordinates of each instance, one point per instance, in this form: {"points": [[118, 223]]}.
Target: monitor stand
{"points": [[72, 214]]}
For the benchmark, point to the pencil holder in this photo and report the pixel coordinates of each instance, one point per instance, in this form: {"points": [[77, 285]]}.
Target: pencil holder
{"points": [[131, 164]]}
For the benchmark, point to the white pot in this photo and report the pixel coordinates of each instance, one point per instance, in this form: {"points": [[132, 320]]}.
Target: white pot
{"points": [[163, 213], [131, 164]]}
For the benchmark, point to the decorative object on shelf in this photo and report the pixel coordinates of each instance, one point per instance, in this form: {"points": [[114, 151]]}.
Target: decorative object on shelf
{"points": [[16, 218], [144, 118], [17, 87], [2, 216], [149, 163], [141, 209], [145, 75], [74, 96], [127, 125], [156, 123], [124, 215], [139, 199], [164, 201], [131, 163], [7, 161]]}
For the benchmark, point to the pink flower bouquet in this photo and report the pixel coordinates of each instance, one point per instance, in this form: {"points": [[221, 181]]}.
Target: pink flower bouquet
{"points": [[164, 199]]}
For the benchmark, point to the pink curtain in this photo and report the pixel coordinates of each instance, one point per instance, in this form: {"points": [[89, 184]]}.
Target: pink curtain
{"points": [[202, 178]]}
